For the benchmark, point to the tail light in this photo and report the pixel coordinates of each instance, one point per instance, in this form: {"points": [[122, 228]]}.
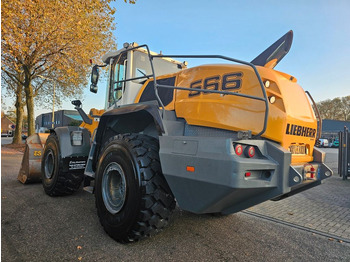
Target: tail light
{"points": [[247, 151], [238, 149], [250, 151]]}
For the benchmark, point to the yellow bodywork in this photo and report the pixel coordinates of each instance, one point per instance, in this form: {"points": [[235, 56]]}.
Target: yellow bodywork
{"points": [[94, 115], [291, 120]]}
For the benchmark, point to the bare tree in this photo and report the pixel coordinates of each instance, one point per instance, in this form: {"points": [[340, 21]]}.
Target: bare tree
{"points": [[336, 109]]}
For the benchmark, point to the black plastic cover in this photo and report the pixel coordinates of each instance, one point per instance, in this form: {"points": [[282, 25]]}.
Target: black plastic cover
{"points": [[276, 51], [165, 94]]}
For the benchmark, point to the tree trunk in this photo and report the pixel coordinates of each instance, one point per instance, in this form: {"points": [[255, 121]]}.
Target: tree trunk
{"points": [[17, 138], [29, 101]]}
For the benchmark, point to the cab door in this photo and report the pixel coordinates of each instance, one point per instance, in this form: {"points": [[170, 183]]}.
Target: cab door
{"points": [[117, 80]]}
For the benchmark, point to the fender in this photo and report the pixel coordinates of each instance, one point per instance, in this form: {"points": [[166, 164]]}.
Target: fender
{"points": [[65, 144], [133, 118]]}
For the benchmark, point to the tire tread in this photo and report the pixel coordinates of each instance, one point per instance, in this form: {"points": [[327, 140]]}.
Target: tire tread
{"points": [[157, 201], [66, 183]]}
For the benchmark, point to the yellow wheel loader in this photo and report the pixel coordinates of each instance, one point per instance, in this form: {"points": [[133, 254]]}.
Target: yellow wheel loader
{"points": [[215, 138]]}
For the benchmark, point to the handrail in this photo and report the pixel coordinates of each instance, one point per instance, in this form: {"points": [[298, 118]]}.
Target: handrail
{"points": [[265, 99], [156, 86], [318, 115]]}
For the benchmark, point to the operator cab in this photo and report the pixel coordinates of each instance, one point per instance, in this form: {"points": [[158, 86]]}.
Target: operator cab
{"points": [[129, 69]]}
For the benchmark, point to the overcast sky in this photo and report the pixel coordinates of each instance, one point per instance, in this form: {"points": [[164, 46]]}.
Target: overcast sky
{"points": [[319, 57]]}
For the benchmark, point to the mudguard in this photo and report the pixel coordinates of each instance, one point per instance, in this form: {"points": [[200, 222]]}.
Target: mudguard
{"points": [[66, 147], [132, 118]]}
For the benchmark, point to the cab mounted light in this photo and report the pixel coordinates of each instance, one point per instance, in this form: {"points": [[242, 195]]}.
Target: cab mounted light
{"points": [[272, 99]]}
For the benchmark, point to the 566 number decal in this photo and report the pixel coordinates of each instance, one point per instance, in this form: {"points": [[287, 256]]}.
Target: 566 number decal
{"points": [[231, 81]]}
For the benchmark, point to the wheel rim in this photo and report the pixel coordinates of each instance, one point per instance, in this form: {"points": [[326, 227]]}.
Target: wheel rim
{"points": [[49, 164], [113, 187]]}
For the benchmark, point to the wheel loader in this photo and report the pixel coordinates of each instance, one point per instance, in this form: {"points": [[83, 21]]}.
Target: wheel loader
{"points": [[214, 138]]}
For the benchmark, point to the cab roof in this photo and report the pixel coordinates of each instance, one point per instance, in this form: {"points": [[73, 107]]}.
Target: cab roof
{"points": [[106, 58]]}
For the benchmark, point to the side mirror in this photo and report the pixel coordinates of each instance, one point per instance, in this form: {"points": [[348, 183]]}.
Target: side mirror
{"points": [[76, 103], [94, 79]]}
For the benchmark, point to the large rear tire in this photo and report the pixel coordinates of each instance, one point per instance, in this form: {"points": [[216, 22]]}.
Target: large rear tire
{"points": [[133, 199], [55, 181]]}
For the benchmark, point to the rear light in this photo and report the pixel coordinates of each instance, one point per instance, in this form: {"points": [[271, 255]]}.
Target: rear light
{"points": [[247, 174], [246, 151], [250, 151], [238, 149]]}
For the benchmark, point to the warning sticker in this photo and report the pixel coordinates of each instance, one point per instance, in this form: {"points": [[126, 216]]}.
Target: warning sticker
{"points": [[77, 165]]}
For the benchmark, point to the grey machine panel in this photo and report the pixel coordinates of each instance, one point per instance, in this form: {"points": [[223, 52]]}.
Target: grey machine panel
{"points": [[218, 183], [66, 147]]}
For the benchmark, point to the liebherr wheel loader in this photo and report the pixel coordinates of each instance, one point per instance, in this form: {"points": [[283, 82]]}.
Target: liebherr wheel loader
{"points": [[215, 138]]}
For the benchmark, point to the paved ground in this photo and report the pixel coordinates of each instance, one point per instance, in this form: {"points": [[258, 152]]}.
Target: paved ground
{"points": [[325, 208], [36, 227]]}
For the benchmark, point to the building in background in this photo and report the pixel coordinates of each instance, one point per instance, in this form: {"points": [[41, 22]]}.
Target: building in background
{"points": [[331, 129], [7, 126], [62, 118]]}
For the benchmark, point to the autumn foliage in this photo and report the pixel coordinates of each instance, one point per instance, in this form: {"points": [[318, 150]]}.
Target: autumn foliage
{"points": [[55, 39]]}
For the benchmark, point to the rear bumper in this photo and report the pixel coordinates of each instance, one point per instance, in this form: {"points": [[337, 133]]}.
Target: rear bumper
{"points": [[218, 182]]}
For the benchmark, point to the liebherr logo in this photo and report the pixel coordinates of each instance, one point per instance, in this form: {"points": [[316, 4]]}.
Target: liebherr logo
{"points": [[296, 130]]}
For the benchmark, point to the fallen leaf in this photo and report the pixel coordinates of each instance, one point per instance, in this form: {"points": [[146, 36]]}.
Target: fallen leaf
{"points": [[80, 258], [331, 239], [290, 213], [79, 247], [340, 241]]}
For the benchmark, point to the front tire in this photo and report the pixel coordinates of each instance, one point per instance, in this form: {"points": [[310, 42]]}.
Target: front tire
{"points": [[133, 199], [55, 181]]}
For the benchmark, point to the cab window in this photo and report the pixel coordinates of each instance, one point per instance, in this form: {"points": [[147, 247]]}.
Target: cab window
{"points": [[143, 70]]}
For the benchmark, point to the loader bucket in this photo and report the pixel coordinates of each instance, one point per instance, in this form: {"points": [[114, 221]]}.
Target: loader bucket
{"points": [[30, 171]]}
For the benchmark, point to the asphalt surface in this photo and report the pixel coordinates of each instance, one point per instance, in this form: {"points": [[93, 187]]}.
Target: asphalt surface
{"points": [[36, 227]]}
